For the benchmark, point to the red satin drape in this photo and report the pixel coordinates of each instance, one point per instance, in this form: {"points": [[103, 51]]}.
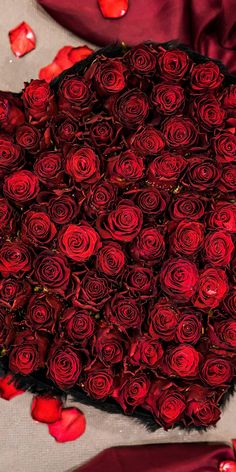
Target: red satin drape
{"points": [[208, 26]]}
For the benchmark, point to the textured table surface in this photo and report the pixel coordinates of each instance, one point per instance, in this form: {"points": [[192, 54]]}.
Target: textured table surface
{"points": [[25, 446]]}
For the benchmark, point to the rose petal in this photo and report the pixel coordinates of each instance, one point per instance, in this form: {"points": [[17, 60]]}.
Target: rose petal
{"points": [[80, 53], [49, 72], [234, 446], [227, 466], [70, 427], [8, 389], [46, 409], [22, 39], [62, 58], [113, 8]]}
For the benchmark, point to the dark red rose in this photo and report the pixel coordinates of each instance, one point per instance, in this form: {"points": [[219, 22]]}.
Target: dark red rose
{"points": [[229, 303], [109, 76], [205, 77], [39, 102], [147, 141], [62, 210], [37, 228], [75, 96], [219, 248], [147, 351], [52, 271], [99, 382], [140, 281], [124, 169], [187, 206], [79, 242], [64, 365], [124, 311], [111, 259], [209, 113], [163, 320], [203, 413], [100, 198], [121, 224], [180, 132], [223, 215], [223, 333], [7, 329], [11, 114], [49, 169], [15, 259], [77, 325], [7, 219], [229, 97], [173, 64], [103, 133], [167, 98], [132, 391], [11, 157], [43, 311], [108, 346], [187, 238], [203, 173], [228, 179], [149, 246], [182, 361], [94, 292], [142, 60], [211, 290], [22, 187], [82, 164], [14, 293], [151, 201], [171, 406], [131, 108], [64, 129], [225, 147], [29, 138], [179, 278], [165, 170], [217, 371], [189, 328], [28, 353]]}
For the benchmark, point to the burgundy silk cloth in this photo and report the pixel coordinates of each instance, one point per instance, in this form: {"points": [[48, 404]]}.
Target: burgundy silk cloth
{"points": [[207, 26], [198, 457]]}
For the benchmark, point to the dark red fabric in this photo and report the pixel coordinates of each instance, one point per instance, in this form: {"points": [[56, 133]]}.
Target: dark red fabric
{"points": [[199, 457], [208, 26]]}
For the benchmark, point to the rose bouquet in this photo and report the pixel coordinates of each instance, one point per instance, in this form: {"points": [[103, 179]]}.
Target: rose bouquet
{"points": [[117, 227]]}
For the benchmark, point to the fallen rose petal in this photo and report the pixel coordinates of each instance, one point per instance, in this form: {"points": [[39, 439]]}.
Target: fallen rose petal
{"points": [[70, 427], [22, 39], [80, 53], [62, 58], [113, 8], [49, 72], [227, 466], [8, 389], [46, 409]]}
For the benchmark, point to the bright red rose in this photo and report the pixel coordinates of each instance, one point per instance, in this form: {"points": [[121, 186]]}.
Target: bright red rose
{"points": [[77, 325], [149, 246], [180, 132], [82, 164], [173, 64], [78, 242], [75, 96], [205, 77], [147, 141], [219, 248], [225, 147], [108, 346], [124, 169], [203, 413], [37, 229], [167, 98], [62, 210], [99, 382], [163, 320], [15, 259], [131, 108], [109, 76], [43, 311], [217, 371], [21, 187], [49, 169], [14, 293], [165, 170], [187, 206], [188, 238], [64, 365], [121, 224], [182, 361], [28, 353], [166, 404], [124, 312], [52, 271], [211, 290], [39, 101], [132, 391], [142, 60], [111, 259], [223, 215], [179, 279], [189, 329]]}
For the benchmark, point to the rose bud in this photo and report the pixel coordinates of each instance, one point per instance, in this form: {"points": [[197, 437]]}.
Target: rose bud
{"points": [[28, 353], [121, 224], [223, 334], [132, 391], [229, 97], [165, 170], [211, 290], [188, 238], [124, 169], [149, 246], [216, 371], [147, 351], [202, 174], [49, 169], [219, 248], [37, 228], [82, 164], [111, 259], [205, 77], [77, 325], [64, 129], [124, 312], [75, 96], [64, 365], [203, 413], [229, 303], [29, 138], [103, 133], [22, 187], [14, 293], [131, 108], [163, 320], [109, 76], [223, 216], [187, 205], [11, 157], [63, 209], [79, 242], [167, 98], [43, 311], [227, 183], [11, 114], [181, 361], [170, 407], [225, 147], [180, 132], [7, 328], [150, 201], [39, 101], [100, 198], [99, 382], [141, 60], [147, 141], [179, 278], [94, 292], [52, 271], [15, 259], [189, 328], [141, 282], [209, 113], [173, 64], [108, 345], [7, 218]]}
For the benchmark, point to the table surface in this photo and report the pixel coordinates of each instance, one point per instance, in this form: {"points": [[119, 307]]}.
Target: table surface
{"points": [[26, 446]]}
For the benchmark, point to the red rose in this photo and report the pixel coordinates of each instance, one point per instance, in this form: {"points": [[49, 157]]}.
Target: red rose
{"points": [[149, 246], [223, 334], [147, 141], [111, 259], [43, 310], [219, 248], [78, 242], [7, 329], [82, 164], [49, 169], [11, 157], [94, 292], [202, 174], [187, 238], [77, 325], [7, 219], [203, 413], [223, 215], [229, 97], [29, 138], [51, 271], [15, 258], [229, 303], [64, 129], [147, 351], [189, 328], [124, 169], [173, 64], [64, 365], [75, 96], [131, 108], [28, 353], [100, 198], [167, 98], [217, 371], [180, 132], [99, 382], [14, 293], [62, 210], [165, 170], [39, 101], [103, 133], [121, 224], [108, 345], [37, 228], [205, 77], [166, 404], [209, 113], [150, 201], [212, 288], [187, 206], [142, 60], [179, 278], [163, 320], [228, 179], [132, 391], [22, 187], [109, 76], [11, 113], [182, 361], [225, 147], [124, 312], [141, 282]]}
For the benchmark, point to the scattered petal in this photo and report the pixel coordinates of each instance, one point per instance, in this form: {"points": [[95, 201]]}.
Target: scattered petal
{"points": [[46, 409], [62, 58], [8, 389], [22, 39], [49, 72], [227, 466], [70, 427], [234, 446], [113, 8], [80, 53]]}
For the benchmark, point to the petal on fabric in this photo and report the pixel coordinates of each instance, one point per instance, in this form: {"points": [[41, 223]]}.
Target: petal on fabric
{"points": [[113, 8], [62, 58], [8, 389], [22, 39], [49, 72], [80, 53], [46, 409], [70, 427]]}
